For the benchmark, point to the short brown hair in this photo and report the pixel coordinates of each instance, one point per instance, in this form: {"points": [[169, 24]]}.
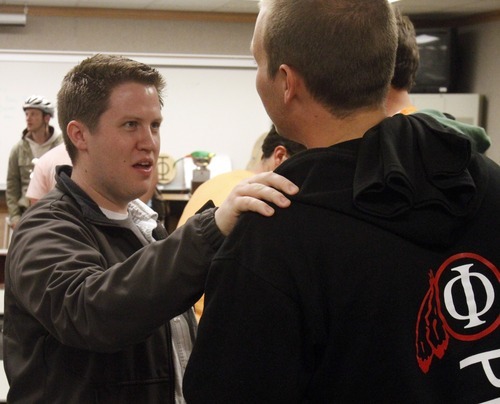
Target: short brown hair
{"points": [[86, 89], [407, 54], [344, 49], [273, 139]]}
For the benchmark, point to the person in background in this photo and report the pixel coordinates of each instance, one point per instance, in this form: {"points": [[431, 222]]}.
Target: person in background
{"points": [[37, 138], [98, 300], [405, 71], [405, 68], [274, 150], [256, 155], [43, 178], [380, 283]]}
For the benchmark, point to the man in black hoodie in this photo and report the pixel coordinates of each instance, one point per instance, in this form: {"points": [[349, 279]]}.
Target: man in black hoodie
{"points": [[380, 283]]}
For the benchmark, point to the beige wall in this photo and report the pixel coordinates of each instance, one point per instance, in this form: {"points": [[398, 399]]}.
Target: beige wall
{"points": [[131, 36], [480, 73], [480, 47]]}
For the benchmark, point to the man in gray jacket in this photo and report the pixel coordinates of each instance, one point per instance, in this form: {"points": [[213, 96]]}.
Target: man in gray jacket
{"points": [[38, 138], [98, 299]]}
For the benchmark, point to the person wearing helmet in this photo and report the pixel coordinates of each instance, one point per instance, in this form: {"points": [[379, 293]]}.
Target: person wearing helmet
{"points": [[37, 138]]}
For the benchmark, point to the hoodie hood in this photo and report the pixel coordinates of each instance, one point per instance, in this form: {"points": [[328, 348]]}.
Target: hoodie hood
{"points": [[480, 139], [409, 175]]}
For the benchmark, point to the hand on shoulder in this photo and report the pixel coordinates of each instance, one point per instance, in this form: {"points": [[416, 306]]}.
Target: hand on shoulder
{"points": [[252, 195]]}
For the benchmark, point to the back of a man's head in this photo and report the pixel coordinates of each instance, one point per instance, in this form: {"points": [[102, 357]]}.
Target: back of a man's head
{"points": [[86, 89], [274, 139], [344, 49], [407, 54]]}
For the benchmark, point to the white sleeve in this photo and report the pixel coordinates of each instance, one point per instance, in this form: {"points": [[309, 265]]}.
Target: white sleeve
{"points": [[42, 179]]}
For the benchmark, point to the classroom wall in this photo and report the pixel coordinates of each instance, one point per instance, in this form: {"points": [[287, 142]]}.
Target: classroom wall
{"points": [[219, 114], [131, 36], [479, 44], [480, 73], [210, 103]]}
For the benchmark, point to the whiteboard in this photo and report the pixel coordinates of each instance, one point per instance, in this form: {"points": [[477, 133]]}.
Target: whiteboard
{"points": [[211, 102]]}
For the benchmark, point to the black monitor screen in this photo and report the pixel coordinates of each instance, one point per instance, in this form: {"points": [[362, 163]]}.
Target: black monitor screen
{"points": [[435, 73]]}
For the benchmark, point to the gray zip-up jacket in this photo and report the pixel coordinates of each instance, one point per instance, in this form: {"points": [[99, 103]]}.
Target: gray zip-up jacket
{"points": [[19, 173]]}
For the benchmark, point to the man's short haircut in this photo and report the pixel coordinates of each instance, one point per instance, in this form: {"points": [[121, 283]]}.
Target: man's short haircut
{"points": [[344, 49], [86, 90], [407, 54], [274, 139]]}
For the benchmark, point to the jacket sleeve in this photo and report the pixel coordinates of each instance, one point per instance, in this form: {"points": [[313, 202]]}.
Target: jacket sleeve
{"points": [[58, 274], [249, 346], [14, 188]]}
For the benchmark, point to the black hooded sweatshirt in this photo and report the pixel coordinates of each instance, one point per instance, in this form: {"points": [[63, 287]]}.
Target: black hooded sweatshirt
{"points": [[379, 284]]}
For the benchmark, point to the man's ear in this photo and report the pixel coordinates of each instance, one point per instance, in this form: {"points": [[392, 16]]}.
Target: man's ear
{"points": [[280, 154], [291, 82], [46, 118], [78, 133]]}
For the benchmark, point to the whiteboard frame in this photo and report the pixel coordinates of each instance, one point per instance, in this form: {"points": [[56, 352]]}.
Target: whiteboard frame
{"points": [[174, 60]]}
